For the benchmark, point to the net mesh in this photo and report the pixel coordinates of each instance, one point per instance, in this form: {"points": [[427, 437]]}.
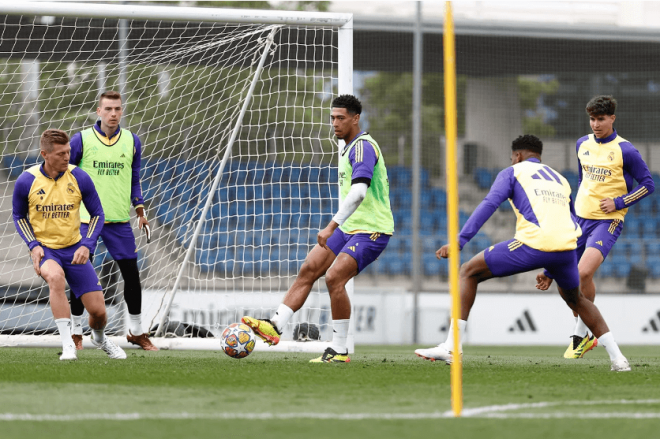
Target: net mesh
{"points": [[183, 86]]}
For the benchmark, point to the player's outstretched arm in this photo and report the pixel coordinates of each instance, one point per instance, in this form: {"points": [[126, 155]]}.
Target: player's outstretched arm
{"points": [[543, 282], [500, 191], [443, 252]]}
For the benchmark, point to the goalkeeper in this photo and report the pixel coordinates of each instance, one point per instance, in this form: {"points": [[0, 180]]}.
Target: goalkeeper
{"points": [[355, 237], [546, 237], [46, 209], [111, 156]]}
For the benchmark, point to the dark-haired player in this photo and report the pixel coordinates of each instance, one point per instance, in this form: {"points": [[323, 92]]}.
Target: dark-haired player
{"points": [[355, 237], [46, 209], [607, 165], [546, 237], [111, 156]]}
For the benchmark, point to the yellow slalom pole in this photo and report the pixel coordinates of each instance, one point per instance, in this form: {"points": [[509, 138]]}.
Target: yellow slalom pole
{"points": [[452, 205]]}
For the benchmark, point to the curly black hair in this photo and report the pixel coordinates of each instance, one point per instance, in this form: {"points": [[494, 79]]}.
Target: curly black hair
{"points": [[601, 105], [528, 142], [352, 105]]}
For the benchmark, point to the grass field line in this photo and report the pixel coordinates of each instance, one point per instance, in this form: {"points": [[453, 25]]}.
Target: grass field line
{"points": [[565, 415], [492, 411]]}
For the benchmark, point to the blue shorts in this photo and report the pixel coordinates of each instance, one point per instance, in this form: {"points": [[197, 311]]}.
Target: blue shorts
{"points": [[81, 278], [599, 234], [513, 257], [118, 239], [363, 247]]}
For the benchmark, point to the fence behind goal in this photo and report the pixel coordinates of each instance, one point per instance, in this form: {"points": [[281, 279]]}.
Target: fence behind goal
{"points": [[185, 75], [513, 79]]}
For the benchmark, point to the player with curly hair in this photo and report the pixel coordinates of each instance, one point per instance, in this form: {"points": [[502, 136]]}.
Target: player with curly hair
{"points": [[356, 236], [546, 237]]}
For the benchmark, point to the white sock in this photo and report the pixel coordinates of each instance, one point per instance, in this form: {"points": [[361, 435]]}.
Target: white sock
{"points": [[281, 317], [77, 322], [98, 335], [339, 335], [607, 341], [64, 328], [135, 324], [450, 335], [580, 328]]}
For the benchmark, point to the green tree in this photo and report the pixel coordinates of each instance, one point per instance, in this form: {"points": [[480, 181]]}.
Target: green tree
{"points": [[234, 4], [388, 104], [321, 6], [530, 89]]}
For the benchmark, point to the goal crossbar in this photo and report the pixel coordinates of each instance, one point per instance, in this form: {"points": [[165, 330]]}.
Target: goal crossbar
{"points": [[166, 343], [170, 13]]}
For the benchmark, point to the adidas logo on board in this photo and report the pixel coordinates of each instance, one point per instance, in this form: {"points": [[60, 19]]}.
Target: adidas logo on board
{"points": [[654, 324], [524, 324]]}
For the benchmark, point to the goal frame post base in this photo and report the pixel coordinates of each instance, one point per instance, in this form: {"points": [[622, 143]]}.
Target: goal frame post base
{"points": [[165, 343]]}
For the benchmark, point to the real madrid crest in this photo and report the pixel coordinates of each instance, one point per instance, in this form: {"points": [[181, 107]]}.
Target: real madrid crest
{"points": [[611, 156], [70, 188]]}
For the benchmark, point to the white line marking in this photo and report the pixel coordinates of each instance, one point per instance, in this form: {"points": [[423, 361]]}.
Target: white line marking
{"points": [[475, 412], [573, 415], [225, 416], [493, 411]]}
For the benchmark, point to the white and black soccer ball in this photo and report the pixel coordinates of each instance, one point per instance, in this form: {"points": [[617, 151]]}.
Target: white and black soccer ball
{"points": [[238, 340]]}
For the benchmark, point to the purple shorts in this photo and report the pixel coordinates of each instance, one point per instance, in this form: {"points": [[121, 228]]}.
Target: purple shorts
{"points": [[81, 278], [513, 257], [118, 239], [363, 247], [599, 234]]}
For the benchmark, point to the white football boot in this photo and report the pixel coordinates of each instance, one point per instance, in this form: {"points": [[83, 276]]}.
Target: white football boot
{"points": [[620, 365], [440, 352], [68, 352], [113, 351]]}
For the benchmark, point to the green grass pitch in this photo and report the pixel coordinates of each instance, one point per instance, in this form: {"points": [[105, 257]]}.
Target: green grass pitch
{"points": [[385, 392]]}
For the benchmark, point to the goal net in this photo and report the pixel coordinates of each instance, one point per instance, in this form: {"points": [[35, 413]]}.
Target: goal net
{"points": [[238, 161]]}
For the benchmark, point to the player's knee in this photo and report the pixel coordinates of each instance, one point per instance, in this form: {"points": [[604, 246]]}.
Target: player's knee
{"points": [[586, 276], [463, 271], [97, 317], [55, 279], [571, 297], [309, 271], [334, 281], [466, 270]]}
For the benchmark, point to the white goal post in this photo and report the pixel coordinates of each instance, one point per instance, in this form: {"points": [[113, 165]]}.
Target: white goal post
{"points": [[239, 163]]}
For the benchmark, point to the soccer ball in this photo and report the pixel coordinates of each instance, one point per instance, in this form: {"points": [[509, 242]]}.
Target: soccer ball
{"points": [[238, 340]]}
